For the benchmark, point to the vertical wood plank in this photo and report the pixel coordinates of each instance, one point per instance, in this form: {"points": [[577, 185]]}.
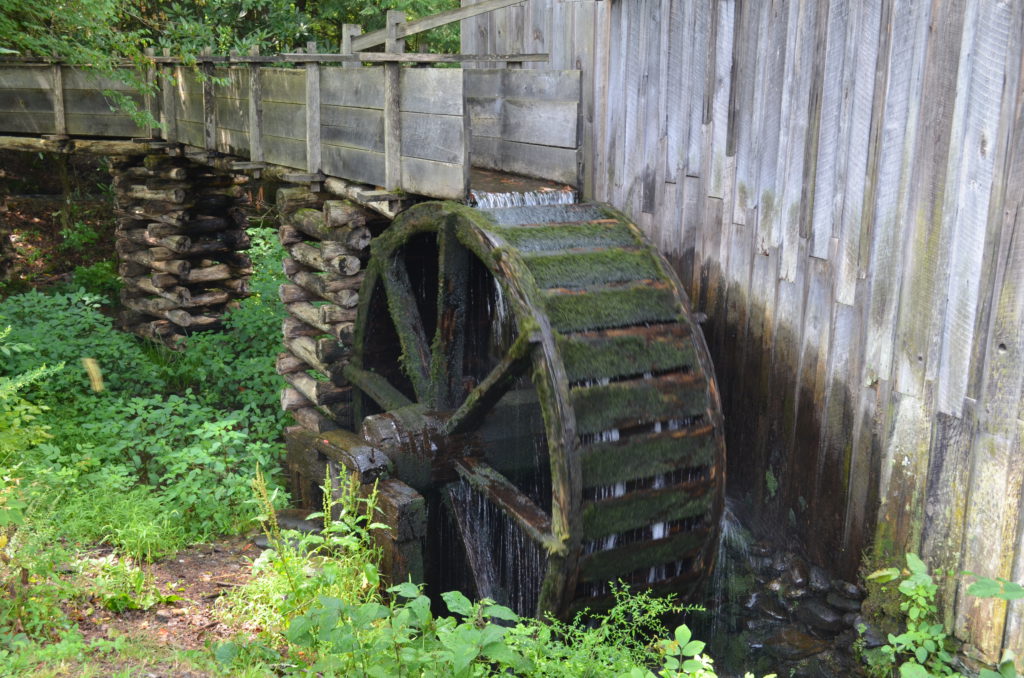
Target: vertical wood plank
{"points": [[255, 109], [314, 159], [349, 31], [392, 115], [209, 102], [150, 101], [60, 124], [169, 107]]}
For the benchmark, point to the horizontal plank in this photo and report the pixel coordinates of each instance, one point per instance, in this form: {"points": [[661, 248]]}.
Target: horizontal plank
{"points": [[232, 114], [431, 90], [639, 509], [102, 125], [543, 162], [232, 142], [354, 164], [283, 85], [286, 152], [284, 120], [434, 179], [582, 269], [433, 137], [605, 565], [93, 103], [612, 306], [408, 28], [237, 86], [27, 123], [353, 127], [189, 106], [544, 123], [356, 87], [25, 77], [25, 101], [613, 354], [626, 404], [645, 456], [76, 78], [483, 82], [537, 84], [485, 116], [189, 132]]}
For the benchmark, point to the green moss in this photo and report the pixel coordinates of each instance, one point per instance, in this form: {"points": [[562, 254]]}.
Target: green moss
{"points": [[625, 355], [611, 307], [572, 236], [643, 457], [629, 403], [633, 511], [583, 269], [609, 565]]}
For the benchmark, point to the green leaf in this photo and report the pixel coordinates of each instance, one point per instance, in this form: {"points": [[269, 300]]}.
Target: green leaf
{"points": [[458, 603], [913, 670], [683, 634], [884, 576], [500, 612], [915, 564], [693, 648], [405, 590]]}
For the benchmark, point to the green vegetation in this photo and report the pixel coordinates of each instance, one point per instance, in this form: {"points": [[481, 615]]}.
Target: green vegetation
{"points": [[924, 648]]}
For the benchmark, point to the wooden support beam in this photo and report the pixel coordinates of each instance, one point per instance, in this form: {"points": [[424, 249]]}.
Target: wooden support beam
{"points": [[313, 151], [209, 103], [60, 125], [349, 32], [255, 110], [430, 22], [392, 99], [168, 112]]}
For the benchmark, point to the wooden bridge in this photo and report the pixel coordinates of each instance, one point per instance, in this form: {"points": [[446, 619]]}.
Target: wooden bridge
{"points": [[415, 131]]}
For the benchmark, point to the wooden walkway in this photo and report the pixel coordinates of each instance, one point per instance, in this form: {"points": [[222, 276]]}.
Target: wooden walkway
{"points": [[408, 130]]}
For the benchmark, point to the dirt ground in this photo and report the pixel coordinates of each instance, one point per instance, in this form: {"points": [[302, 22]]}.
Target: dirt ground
{"points": [[199, 575]]}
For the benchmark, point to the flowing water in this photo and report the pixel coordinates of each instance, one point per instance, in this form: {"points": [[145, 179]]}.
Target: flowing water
{"points": [[487, 200]]}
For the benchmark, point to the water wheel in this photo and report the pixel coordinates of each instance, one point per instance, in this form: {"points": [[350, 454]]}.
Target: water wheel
{"points": [[545, 402]]}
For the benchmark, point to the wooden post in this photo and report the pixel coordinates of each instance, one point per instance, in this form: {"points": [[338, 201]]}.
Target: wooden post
{"points": [[255, 109], [168, 112], [313, 160], [60, 125], [349, 31], [209, 103], [392, 100], [150, 101]]}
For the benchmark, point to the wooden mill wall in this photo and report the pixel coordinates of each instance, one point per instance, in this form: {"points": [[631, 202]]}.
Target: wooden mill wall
{"points": [[841, 183]]}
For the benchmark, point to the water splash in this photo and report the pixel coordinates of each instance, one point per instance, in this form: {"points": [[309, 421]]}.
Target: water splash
{"points": [[733, 553], [488, 200]]}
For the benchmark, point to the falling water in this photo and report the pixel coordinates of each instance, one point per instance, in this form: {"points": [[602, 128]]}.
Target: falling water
{"points": [[488, 200], [516, 563], [733, 553]]}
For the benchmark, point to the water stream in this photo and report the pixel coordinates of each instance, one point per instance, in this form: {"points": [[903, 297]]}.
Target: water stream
{"points": [[488, 200]]}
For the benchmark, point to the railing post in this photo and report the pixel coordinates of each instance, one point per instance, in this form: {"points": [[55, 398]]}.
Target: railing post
{"points": [[150, 101], [313, 151], [169, 109], [60, 122], [392, 101], [349, 31], [255, 109], [209, 102]]}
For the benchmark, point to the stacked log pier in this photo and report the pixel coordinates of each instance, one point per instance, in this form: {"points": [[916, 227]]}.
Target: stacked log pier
{"points": [[328, 244], [180, 236]]}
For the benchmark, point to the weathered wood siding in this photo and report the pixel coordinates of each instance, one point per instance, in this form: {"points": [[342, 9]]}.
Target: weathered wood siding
{"points": [[841, 183]]}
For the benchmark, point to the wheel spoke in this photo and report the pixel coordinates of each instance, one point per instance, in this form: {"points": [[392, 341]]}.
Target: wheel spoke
{"points": [[492, 388], [450, 338], [534, 522], [405, 315], [377, 388], [478, 556]]}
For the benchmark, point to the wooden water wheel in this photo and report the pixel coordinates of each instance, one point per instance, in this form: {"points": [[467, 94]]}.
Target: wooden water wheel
{"points": [[534, 375]]}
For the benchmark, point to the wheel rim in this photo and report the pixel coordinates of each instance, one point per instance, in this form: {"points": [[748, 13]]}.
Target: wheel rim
{"points": [[430, 306]]}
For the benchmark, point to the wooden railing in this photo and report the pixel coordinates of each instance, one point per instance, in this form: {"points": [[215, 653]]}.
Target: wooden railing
{"points": [[402, 129]]}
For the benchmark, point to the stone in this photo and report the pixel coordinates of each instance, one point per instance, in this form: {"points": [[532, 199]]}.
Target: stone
{"points": [[770, 607], [819, 579], [798, 571], [775, 585], [760, 549], [842, 603], [820, 616], [793, 644], [295, 519], [872, 636], [760, 564], [780, 562], [845, 588], [796, 592]]}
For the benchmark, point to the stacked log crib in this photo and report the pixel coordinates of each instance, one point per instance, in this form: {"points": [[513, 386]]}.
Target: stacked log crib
{"points": [[180, 232], [327, 243]]}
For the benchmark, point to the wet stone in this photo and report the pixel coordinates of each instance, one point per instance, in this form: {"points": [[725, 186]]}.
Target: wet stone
{"points": [[295, 519], [845, 588], [794, 644], [819, 579], [775, 585], [761, 549], [842, 603], [770, 607], [871, 635], [798, 571], [820, 616], [796, 593], [760, 564], [780, 563]]}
